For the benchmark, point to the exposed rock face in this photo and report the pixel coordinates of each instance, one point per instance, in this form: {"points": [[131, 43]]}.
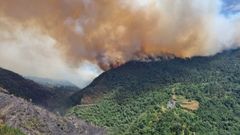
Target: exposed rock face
{"points": [[33, 120]]}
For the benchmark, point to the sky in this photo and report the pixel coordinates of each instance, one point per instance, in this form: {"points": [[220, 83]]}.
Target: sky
{"points": [[231, 6], [28, 51]]}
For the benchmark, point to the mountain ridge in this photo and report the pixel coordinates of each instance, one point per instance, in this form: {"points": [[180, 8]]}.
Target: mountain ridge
{"points": [[135, 65], [133, 99]]}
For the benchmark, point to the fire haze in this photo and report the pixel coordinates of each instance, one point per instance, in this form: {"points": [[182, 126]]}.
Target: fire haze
{"points": [[111, 32]]}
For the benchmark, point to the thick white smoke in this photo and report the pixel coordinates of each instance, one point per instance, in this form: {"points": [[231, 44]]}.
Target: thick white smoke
{"points": [[31, 53]]}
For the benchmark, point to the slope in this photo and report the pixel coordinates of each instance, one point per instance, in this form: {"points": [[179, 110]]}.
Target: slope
{"points": [[30, 119], [133, 99], [61, 89], [54, 98], [21, 87]]}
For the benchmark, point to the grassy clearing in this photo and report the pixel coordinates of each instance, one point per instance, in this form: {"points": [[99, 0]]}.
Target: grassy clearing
{"points": [[5, 130]]}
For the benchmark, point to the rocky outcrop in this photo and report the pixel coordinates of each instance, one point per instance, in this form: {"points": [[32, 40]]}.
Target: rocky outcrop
{"points": [[33, 120]]}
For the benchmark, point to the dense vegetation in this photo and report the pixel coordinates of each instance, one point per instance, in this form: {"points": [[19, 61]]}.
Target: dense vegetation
{"points": [[133, 98], [5, 130]]}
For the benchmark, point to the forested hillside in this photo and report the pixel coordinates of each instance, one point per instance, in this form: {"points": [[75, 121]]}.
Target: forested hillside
{"points": [[200, 95]]}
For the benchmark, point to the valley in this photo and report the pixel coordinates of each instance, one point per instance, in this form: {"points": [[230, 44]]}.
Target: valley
{"points": [[119, 67]]}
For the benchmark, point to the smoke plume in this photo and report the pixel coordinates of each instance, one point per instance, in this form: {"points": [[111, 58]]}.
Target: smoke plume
{"points": [[112, 32]]}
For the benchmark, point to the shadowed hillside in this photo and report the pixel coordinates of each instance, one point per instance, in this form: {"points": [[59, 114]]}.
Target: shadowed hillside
{"points": [[61, 89], [21, 87], [53, 97]]}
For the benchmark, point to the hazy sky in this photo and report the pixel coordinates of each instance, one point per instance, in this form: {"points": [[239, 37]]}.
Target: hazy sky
{"points": [[28, 51]]}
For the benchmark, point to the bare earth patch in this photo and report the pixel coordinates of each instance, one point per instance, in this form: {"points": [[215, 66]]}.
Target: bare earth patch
{"points": [[191, 105]]}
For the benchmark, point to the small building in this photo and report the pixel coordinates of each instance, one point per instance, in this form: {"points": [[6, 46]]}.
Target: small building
{"points": [[171, 104]]}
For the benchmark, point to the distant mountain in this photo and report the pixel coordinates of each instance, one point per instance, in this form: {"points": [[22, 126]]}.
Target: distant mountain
{"points": [[50, 82], [199, 95], [33, 120]]}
